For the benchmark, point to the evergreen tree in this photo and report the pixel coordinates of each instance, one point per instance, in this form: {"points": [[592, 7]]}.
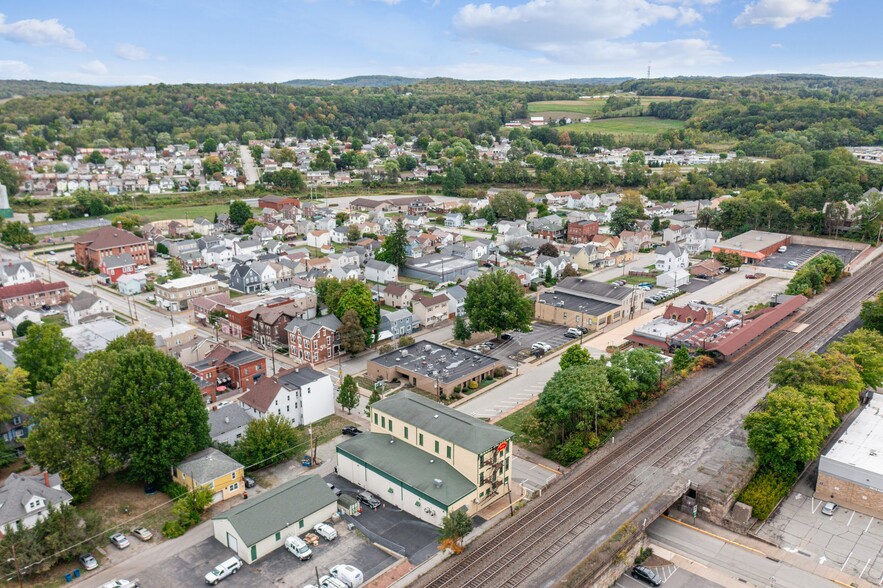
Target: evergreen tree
{"points": [[393, 248]]}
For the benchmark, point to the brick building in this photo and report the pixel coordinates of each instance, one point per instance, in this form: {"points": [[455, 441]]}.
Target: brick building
{"points": [[228, 365], [277, 202], [91, 248], [114, 266], [314, 341], [34, 295], [582, 231], [268, 324]]}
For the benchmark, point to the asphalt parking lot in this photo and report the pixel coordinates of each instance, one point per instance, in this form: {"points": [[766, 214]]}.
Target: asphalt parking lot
{"points": [[801, 254], [406, 534], [849, 541], [189, 567], [519, 347], [671, 575]]}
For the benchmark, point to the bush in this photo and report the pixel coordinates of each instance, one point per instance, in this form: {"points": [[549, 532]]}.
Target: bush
{"points": [[500, 372], [764, 492], [173, 529], [644, 555], [473, 385], [386, 348], [576, 446], [175, 490], [405, 341]]}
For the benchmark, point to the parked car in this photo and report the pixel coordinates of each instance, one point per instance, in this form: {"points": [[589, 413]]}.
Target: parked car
{"points": [[249, 482], [572, 333], [225, 569], [298, 547], [541, 345], [583, 330], [792, 263], [333, 488], [369, 500], [121, 583], [119, 540], [331, 582], [142, 533], [88, 561], [647, 575], [350, 575], [507, 336], [325, 531], [829, 509], [782, 249], [750, 277], [351, 431]]}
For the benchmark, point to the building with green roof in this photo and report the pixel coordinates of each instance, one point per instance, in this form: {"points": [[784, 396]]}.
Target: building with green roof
{"points": [[428, 459], [259, 526]]}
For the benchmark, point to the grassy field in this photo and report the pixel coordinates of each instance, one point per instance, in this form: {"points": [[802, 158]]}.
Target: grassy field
{"points": [[179, 212], [514, 422], [589, 107], [638, 125]]}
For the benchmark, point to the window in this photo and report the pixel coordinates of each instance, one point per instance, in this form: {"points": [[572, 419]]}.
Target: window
{"points": [[254, 552], [382, 422], [233, 487], [420, 439], [481, 479], [449, 452], [406, 432], [300, 524], [375, 418], [278, 535], [233, 476], [390, 425], [436, 446]]}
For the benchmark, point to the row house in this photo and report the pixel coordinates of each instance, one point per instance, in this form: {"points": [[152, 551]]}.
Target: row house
{"points": [[314, 341], [34, 295], [302, 395], [549, 227], [116, 266], [430, 310], [268, 324]]}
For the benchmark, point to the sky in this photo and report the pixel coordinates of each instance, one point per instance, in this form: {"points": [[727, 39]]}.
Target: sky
{"points": [[223, 41]]}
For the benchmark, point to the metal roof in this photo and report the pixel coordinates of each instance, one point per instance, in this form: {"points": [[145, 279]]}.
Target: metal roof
{"points": [[451, 425], [409, 465], [270, 512]]}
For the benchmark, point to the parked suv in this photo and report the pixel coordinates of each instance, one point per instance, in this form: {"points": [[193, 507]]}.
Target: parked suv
{"points": [[647, 575]]}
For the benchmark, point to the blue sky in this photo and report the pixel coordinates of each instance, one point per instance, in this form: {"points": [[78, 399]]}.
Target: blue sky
{"points": [[149, 41]]}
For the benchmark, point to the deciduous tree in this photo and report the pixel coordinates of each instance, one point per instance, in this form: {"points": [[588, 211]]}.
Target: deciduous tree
{"points": [[393, 248], [510, 205], [455, 526], [865, 347], [17, 234], [240, 212], [266, 441], [352, 335], [348, 397], [548, 249], [575, 399], [43, 353], [461, 329], [495, 302], [872, 313], [574, 355]]}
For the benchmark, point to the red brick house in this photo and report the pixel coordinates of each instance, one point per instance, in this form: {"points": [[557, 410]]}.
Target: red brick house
{"points": [[230, 366], [268, 323], [314, 341], [91, 248], [34, 294], [582, 231], [114, 266], [277, 202]]}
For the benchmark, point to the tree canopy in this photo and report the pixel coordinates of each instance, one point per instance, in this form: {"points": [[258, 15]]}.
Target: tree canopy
{"points": [[240, 212], [42, 353], [510, 205], [392, 250], [495, 302]]}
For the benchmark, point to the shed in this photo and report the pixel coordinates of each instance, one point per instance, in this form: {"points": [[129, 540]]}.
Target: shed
{"points": [[348, 505], [673, 279]]}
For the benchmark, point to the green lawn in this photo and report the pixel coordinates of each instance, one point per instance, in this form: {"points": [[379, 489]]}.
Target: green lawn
{"points": [[514, 422], [639, 125], [589, 107], [176, 212]]}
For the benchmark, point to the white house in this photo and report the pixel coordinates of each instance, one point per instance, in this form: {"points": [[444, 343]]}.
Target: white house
{"points": [[131, 284], [454, 219], [227, 424], [16, 315], [338, 234], [583, 201], [671, 257], [381, 272], [318, 239], [217, 255], [26, 500], [673, 279], [302, 395], [83, 306], [17, 272], [699, 240]]}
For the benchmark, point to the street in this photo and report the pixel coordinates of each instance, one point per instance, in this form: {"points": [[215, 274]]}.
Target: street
{"points": [[248, 165]]}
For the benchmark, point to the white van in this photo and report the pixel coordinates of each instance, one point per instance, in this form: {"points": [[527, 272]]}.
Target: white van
{"points": [[299, 548], [331, 582], [351, 576], [225, 569]]}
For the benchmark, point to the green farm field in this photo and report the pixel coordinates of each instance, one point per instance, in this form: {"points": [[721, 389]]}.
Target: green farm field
{"points": [[639, 125]]}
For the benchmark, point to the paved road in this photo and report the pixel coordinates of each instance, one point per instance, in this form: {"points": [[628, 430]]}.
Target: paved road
{"points": [[738, 563], [248, 166]]}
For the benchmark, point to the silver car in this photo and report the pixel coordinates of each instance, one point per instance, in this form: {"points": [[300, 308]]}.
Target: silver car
{"points": [[119, 540]]}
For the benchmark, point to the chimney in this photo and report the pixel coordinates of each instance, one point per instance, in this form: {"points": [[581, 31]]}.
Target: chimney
{"points": [[46, 479], [119, 224]]}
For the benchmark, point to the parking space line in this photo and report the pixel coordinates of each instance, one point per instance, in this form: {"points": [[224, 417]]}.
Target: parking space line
{"points": [[846, 562], [869, 525], [849, 522]]}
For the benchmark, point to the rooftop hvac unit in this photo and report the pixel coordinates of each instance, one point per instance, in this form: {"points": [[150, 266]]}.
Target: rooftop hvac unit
{"points": [[437, 482], [427, 348]]}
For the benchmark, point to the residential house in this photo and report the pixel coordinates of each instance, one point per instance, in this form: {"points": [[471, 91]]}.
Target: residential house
{"points": [[247, 248], [430, 310], [277, 203], [395, 324], [339, 235], [115, 266], [85, 306], [636, 240], [454, 220], [674, 233], [222, 474], [302, 395], [549, 227], [268, 324], [17, 427], [231, 366], [16, 315], [561, 198], [33, 295], [91, 248], [318, 239], [699, 240], [381, 272], [456, 301], [314, 341], [203, 226], [227, 424], [671, 257], [27, 500], [131, 284], [17, 272], [706, 269], [397, 295], [217, 255]]}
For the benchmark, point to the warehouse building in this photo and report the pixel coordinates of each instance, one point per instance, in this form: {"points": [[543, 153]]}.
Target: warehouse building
{"points": [[438, 268], [851, 472], [259, 526], [428, 459]]}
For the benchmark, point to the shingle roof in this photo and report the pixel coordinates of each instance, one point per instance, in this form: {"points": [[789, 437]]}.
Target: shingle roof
{"points": [[268, 513], [227, 418], [107, 237], [10, 268], [411, 465], [35, 287], [207, 465], [309, 328], [378, 265], [262, 394], [121, 260], [449, 424], [18, 489], [674, 249], [83, 301]]}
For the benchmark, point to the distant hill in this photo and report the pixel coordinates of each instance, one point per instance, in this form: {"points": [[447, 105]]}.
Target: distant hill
{"points": [[357, 82], [584, 81], [13, 88]]}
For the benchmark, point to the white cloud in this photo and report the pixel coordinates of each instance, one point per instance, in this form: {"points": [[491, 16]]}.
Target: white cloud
{"points": [[130, 52], [870, 69], [40, 32], [781, 13], [94, 67], [592, 33], [14, 69], [776, 46]]}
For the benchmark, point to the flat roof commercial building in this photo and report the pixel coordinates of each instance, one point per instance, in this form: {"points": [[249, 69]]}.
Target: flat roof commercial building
{"points": [[428, 459], [579, 302], [851, 472], [174, 295], [438, 268], [753, 246], [433, 368]]}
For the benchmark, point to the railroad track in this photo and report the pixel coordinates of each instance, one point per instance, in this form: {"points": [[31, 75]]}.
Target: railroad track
{"points": [[518, 547]]}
